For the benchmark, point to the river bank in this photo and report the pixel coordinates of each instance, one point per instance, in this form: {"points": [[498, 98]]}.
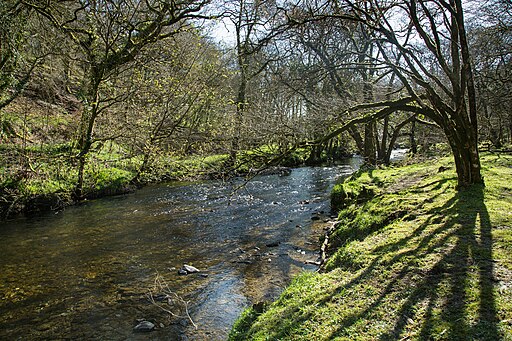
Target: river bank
{"points": [[49, 183], [410, 258]]}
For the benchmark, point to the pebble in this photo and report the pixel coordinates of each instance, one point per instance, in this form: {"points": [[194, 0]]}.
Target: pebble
{"points": [[143, 327], [190, 269]]}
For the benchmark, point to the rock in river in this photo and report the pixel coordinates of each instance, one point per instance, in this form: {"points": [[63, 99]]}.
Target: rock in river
{"points": [[188, 269], [272, 244], [143, 327]]}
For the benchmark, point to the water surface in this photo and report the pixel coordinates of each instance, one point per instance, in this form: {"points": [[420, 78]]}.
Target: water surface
{"points": [[85, 273]]}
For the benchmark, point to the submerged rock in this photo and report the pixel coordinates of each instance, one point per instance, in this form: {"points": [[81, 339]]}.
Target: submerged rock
{"points": [[281, 171], [144, 327], [273, 244]]}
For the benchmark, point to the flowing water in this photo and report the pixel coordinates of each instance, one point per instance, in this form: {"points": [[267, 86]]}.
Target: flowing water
{"points": [[85, 272]]}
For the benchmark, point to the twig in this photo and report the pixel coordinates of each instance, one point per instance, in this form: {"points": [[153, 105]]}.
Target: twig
{"points": [[172, 299]]}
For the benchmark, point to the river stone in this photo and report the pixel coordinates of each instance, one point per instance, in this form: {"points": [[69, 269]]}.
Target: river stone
{"points": [[144, 327], [272, 244], [182, 272], [190, 269]]}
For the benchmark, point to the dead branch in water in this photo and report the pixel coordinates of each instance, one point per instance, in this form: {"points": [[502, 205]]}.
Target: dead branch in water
{"points": [[168, 300]]}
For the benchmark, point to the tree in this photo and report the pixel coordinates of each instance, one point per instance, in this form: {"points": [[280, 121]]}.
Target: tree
{"points": [[491, 34], [256, 24], [17, 60], [425, 45], [107, 35], [174, 108], [347, 55]]}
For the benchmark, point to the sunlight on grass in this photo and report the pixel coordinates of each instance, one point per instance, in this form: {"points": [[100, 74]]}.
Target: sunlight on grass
{"points": [[418, 260]]}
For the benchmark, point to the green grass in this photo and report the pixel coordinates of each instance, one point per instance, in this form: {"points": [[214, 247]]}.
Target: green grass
{"points": [[417, 261]]}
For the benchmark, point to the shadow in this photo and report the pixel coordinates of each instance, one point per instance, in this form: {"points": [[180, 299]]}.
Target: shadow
{"points": [[456, 292]]}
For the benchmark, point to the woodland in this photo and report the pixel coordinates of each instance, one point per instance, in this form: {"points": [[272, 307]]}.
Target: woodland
{"points": [[100, 96]]}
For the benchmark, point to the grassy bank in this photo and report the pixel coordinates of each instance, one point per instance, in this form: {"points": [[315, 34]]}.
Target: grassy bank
{"points": [[411, 258], [44, 178]]}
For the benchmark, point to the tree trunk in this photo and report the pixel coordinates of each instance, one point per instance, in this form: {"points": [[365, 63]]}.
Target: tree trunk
{"points": [[465, 153], [88, 119], [384, 141], [412, 138], [369, 143]]}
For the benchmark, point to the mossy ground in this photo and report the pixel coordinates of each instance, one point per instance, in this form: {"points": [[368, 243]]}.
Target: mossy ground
{"points": [[418, 261]]}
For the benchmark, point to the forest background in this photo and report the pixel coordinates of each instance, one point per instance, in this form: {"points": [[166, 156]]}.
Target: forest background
{"points": [[99, 97]]}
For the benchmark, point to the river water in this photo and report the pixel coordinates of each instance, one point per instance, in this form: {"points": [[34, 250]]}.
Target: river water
{"points": [[85, 272]]}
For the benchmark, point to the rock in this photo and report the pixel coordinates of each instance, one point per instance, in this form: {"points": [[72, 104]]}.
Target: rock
{"points": [[273, 244], [204, 275], [243, 261], [281, 171], [315, 217], [144, 327], [190, 269], [313, 262], [182, 272]]}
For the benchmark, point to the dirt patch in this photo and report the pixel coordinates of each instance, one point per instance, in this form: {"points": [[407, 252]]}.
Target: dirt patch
{"points": [[405, 183]]}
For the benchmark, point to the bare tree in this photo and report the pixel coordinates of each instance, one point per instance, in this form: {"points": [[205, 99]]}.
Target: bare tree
{"points": [[425, 45]]}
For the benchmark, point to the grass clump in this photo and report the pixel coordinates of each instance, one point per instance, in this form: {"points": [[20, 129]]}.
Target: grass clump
{"points": [[419, 260]]}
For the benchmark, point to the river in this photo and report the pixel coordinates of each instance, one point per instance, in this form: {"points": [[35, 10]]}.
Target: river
{"points": [[85, 272]]}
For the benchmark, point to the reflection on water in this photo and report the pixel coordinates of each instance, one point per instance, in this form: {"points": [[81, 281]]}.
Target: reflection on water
{"points": [[84, 273]]}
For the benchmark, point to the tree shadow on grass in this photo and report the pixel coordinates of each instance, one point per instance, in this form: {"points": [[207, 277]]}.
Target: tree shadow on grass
{"points": [[454, 298]]}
